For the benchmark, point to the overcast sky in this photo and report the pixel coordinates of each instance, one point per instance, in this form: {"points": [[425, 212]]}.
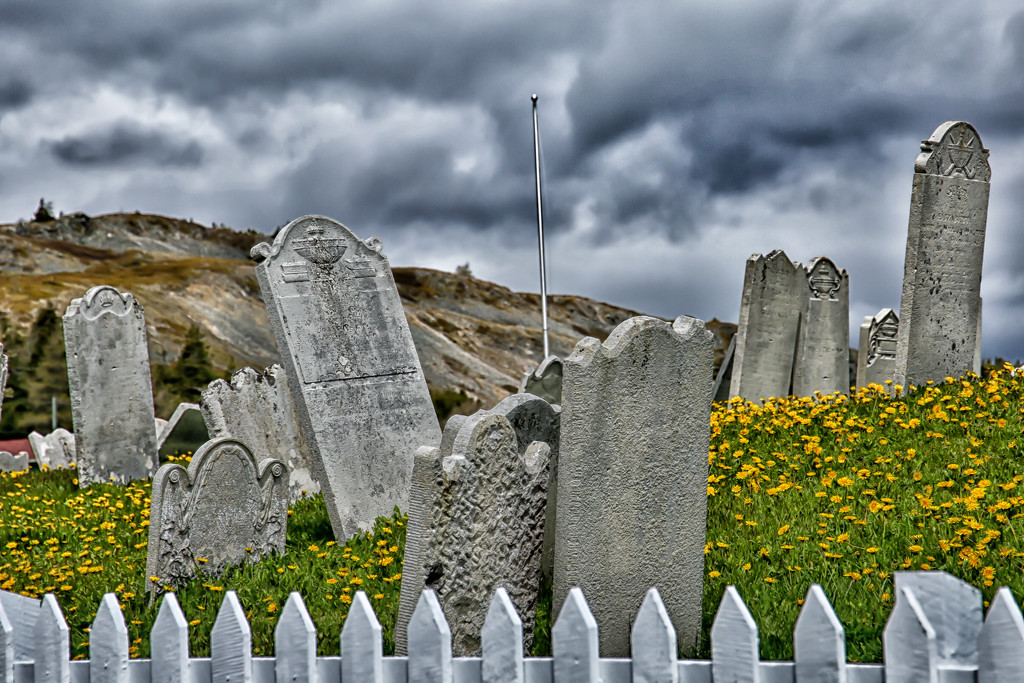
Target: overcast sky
{"points": [[678, 137]]}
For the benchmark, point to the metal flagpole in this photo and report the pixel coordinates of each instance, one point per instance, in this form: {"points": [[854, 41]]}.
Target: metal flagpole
{"points": [[540, 232]]}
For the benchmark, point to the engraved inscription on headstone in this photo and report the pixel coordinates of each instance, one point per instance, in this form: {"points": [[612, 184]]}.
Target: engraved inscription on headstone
{"points": [[632, 474], [774, 294], [110, 385], [481, 524], [876, 360], [258, 410], [224, 510], [941, 302], [355, 377], [822, 361]]}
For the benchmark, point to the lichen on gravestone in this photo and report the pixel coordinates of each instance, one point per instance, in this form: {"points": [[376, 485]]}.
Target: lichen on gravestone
{"points": [[225, 509]]}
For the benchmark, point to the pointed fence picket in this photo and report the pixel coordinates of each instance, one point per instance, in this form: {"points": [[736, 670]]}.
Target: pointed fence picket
{"points": [[911, 643]]}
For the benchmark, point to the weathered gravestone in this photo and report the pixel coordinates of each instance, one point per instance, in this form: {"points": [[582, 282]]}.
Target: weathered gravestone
{"points": [[10, 462], [544, 381], [774, 293], [876, 360], [723, 378], [350, 360], [941, 302], [55, 450], [226, 509], [632, 474], [258, 410], [822, 360], [185, 432], [477, 517], [111, 388]]}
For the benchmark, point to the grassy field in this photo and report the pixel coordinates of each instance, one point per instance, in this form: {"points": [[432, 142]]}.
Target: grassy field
{"points": [[840, 491]]}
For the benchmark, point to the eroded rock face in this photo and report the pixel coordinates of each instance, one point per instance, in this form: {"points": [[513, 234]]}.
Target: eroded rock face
{"points": [[477, 517], [111, 388], [940, 309], [632, 475], [257, 409], [345, 342], [224, 510]]}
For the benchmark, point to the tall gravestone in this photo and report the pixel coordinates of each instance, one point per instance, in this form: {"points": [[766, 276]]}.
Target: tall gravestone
{"points": [[774, 293], [258, 410], [876, 360], [941, 302], [478, 516], [822, 360], [225, 509], [632, 475], [111, 388], [349, 356]]}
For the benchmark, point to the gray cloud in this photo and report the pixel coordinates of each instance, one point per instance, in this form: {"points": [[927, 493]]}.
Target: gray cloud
{"points": [[125, 143]]}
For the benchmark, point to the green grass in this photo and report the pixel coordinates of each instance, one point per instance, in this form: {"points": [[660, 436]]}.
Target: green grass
{"points": [[839, 491]]}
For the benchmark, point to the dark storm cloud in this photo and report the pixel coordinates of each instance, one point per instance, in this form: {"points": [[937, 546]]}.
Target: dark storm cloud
{"points": [[125, 143], [15, 93]]}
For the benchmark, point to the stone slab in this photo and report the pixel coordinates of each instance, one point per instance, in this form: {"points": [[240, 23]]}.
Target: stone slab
{"points": [[111, 388], [356, 379], [185, 432], [545, 380], [480, 523], [632, 475], [941, 302], [225, 509], [723, 378], [257, 409], [876, 362], [774, 296], [11, 462], [56, 450], [822, 360]]}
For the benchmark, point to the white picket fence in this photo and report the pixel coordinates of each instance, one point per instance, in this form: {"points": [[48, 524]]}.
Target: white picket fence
{"points": [[914, 650]]}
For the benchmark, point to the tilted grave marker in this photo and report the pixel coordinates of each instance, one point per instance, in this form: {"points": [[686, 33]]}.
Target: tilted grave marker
{"points": [[876, 360], [632, 474], [941, 302], [774, 292], [257, 409], [356, 380], [224, 509], [478, 516], [545, 380], [822, 361], [185, 432], [111, 388]]}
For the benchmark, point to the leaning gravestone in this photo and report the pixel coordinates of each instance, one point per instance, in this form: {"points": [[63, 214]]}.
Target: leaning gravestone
{"points": [[720, 389], [111, 388], [774, 294], [822, 360], [478, 515], [632, 475], [544, 381], [55, 450], [357, 383], [258, 410], [185, 432], [9, 462], [876, 360], [226, 509], [941, 302]]}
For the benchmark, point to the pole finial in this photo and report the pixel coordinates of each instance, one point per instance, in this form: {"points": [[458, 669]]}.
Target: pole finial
{"points": [[533, 98]]}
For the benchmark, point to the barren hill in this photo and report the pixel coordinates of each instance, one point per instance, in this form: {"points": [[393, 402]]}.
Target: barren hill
{"points": [[472, 336]]}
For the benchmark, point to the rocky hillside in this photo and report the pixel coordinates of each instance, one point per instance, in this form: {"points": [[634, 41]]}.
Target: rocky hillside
{"points": [[472, 336]]}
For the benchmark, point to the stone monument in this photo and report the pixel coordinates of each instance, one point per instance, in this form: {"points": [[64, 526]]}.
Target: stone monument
{"points": [[822, 360], [632, 474], [224, 510], [185, 432], [345, 345], [477, 522], [774, 294], [941, 302], [258, 410], [110, 385], [55, 450], [544, 381], [876, 360]]}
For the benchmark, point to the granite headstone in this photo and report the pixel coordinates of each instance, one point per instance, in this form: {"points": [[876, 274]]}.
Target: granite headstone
{"points": [[822, 359]]}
